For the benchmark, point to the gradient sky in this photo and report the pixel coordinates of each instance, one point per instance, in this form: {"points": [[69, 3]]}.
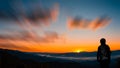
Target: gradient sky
{"points": [[59, 25]]}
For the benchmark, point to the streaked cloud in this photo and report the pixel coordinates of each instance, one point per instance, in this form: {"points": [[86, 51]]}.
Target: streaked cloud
{"points": [[27, 15], [26, 41], [49, 36], [32, 12], [80, 23], [15, 47]]}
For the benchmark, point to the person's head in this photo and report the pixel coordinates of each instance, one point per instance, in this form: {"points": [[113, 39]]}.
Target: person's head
{"points": [[102, 41]]}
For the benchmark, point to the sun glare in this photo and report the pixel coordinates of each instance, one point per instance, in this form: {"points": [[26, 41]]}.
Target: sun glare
{"points": [[78, 51]]}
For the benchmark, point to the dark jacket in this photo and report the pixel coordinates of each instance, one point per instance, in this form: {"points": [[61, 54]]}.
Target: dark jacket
{"points": [[100, 56]]}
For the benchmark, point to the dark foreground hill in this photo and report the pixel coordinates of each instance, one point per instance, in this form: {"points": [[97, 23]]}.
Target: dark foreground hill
{"points": [[17, 59], [8, 59]]}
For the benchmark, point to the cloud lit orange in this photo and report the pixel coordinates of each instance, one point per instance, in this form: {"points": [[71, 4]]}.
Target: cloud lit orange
{"points": [[80, 23]]}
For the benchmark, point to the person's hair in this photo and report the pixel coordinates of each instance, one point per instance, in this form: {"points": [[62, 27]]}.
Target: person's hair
{"points": [[102, 41]]}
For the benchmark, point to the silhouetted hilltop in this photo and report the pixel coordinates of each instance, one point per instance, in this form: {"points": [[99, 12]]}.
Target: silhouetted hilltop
{"points": [[17, 59]]}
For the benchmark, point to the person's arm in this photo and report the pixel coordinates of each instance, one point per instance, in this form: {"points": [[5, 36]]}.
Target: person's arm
{"points": [[98, 54], [109, 55]]}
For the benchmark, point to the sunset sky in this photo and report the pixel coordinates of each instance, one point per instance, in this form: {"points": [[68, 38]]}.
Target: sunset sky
{"points": [[59, 25]]}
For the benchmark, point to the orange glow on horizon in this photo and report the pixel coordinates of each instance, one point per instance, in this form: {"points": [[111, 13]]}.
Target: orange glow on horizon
{"points": [[59, 48]]}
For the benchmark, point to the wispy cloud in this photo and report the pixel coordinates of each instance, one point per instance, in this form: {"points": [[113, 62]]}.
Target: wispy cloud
{"points": [[15, 47], [80, 23], [27, 15], [49, 36], [34, 13], [27, 41]]}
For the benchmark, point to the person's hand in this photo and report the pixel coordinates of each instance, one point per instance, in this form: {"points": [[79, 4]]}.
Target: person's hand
{"points": [[98, 59]]}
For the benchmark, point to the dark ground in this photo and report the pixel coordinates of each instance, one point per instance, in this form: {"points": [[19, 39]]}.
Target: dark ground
{"points": [[8, 60]]}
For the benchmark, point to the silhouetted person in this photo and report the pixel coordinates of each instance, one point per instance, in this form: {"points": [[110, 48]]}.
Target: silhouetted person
{"points": [[103, 54]]}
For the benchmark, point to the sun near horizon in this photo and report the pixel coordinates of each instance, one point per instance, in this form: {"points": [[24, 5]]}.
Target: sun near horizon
{"points": [[78, 51]]}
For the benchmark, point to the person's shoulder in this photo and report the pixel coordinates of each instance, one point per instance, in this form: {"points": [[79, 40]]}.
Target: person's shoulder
{"points": [[99, 46], [107, 46]]}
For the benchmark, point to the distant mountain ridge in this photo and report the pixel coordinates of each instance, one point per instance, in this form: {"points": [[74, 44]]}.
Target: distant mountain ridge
{"points": [[69, 54], [81, 54]]}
